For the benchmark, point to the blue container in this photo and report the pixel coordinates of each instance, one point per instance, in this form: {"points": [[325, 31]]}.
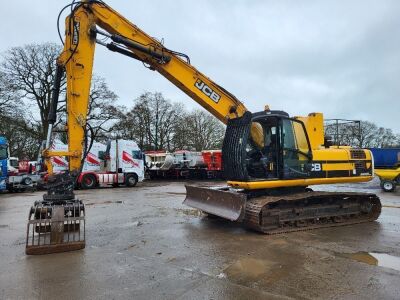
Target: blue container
{"points": [[386, 157]]}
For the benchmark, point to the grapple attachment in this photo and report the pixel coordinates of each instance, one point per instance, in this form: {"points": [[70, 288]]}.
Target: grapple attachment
{"points": [[55, 227], [222, 202]]}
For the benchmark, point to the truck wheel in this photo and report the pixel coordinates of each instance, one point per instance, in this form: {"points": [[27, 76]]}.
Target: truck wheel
{"points": [[27, 181], [131, 180], [388, 185], [88, 181]]}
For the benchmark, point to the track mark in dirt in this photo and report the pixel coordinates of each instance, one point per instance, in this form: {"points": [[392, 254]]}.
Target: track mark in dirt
{"points": [[176, 193], [391, 206], [104, 202]]}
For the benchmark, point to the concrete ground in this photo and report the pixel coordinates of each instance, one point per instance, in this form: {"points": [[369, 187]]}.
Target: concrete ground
{"points": [[142, 243]]}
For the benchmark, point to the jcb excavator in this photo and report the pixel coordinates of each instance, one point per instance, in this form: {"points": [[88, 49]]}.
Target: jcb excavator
{"points": [[269, 158]]}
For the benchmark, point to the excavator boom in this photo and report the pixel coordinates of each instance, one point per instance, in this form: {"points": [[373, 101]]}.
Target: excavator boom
{"points": [[92, 20]]}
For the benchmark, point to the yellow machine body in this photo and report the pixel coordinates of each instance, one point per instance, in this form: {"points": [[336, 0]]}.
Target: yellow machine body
{"points": [[343, 159]]}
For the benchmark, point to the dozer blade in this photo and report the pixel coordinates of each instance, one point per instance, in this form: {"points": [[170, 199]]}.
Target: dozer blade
{"points": [[54, 228], [217, 201]]}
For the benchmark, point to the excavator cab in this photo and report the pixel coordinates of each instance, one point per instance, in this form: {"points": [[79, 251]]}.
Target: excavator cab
{"points": [[277, 147]]}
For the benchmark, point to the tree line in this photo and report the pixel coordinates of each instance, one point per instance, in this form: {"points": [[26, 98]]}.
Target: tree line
{"points": [[362, 134], [154, 122]]}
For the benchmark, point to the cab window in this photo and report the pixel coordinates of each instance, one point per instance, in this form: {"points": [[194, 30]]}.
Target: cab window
{"points": [[102, 155], [3, 152], [14, 163], [137, 154], [295, 149]]}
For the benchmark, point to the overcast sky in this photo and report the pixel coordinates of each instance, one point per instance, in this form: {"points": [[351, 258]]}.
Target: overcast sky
{"points": [[341, 58]]}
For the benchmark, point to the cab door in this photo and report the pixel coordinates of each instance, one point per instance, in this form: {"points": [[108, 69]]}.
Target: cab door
{"points": [[295, 151]]}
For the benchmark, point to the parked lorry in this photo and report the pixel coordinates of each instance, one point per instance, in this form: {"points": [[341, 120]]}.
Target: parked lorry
{"points": [[387, 167], [59, 163], [12, 165], [12, 178], [213, 161], [119, 162], [184, 164], [3, 163], [159, 164], [92, 161]]}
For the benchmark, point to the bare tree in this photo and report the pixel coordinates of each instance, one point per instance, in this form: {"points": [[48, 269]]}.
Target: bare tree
{"points": [[364, 134], [15, 125], [102, 110], [151, 122], [156, 123], [9, 97], [30, 70], [200, 130], [136, 123], [22, 136], [385, 138]]}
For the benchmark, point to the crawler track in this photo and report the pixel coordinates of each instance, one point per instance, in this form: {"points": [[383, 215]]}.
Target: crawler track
{"points": [[309, 210]]}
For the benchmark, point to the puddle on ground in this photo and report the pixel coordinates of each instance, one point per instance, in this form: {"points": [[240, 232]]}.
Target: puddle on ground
{"points": [[248, 268], [375, 259]]}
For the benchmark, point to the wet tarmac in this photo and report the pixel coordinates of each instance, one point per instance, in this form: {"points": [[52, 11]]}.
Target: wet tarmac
{"points": [[142, 243]]}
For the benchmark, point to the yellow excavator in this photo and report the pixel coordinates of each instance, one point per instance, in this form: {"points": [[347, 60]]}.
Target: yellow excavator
{"points": [[269, 158]]}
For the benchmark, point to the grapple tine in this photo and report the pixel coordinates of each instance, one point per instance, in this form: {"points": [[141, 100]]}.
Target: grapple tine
{"points": [[217, 201], [55, 223], [49, 228]]}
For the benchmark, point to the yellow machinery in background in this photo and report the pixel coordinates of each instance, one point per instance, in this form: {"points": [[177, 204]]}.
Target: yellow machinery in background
{"points": [[387, 167], [269, 158], [390, 178]]}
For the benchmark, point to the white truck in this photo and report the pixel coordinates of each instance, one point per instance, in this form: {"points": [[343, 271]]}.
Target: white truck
{"points": [[18, 179], [120, 162]]}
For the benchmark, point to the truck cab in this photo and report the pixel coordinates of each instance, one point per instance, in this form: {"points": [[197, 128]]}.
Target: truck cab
{"points": [[11, 178], [13, 165], [120, 162], [125, 158], [3, 163]]}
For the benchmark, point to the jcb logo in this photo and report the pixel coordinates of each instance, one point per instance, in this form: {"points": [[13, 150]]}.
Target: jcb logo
{"points": [[207, 90], [316, 167]]}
